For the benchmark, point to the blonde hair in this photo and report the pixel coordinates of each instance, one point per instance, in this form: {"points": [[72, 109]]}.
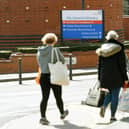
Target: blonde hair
{"points": [[49, 38], [112, 35]]}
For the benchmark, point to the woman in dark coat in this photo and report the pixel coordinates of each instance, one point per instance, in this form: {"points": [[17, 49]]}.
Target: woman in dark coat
{"points": [[111, 71]]}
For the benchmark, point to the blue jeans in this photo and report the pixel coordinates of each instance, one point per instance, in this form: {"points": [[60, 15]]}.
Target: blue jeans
{"points": [[113, 98]]}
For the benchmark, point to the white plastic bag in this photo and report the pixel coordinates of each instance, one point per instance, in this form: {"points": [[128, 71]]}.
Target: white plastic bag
{"points": [[124, 101], [58, 71], [95, 96]]}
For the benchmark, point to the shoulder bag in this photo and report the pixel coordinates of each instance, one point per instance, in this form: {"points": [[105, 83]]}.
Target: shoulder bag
{"points": [[58, 70]]}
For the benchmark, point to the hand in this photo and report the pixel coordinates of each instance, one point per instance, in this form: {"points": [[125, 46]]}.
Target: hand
{"points": [[126, 82], [126, 85]]}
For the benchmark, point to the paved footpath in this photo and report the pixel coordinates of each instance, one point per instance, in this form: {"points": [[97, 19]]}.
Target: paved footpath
{"points": [[80, 117]]}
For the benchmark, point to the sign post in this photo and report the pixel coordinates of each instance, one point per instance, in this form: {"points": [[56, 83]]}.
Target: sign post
{"points": [[83, 4]]}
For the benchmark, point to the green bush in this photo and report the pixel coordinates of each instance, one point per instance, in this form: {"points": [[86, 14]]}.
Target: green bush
{"points": [[126, 44], [27, 50], [81, 47], [5, 54], [70, 47]]}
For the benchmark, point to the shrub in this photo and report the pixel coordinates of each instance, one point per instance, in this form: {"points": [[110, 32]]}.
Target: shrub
{"points": [[81, 47], [27, 50], [5, 54], [70, 47]]}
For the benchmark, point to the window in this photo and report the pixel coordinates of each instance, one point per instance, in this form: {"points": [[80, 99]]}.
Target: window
{"points": [[126, 7]]}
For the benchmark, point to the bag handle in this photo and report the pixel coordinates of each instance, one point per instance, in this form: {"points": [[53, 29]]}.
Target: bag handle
{"points": [[97, 85], [52, 55], [57, 55]]}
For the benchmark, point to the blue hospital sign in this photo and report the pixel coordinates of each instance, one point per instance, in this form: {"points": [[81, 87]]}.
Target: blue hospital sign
{"points": [[82, 24]]}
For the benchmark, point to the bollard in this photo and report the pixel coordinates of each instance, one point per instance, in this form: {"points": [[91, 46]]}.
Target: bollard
{"points": [[70, 66], [20, 70]]}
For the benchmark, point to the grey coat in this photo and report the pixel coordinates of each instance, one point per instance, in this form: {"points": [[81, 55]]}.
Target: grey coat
{"points": [[44, 57]]}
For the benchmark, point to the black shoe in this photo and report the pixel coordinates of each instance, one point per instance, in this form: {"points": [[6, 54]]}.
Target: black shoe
{"points": [[66, 112], [44, 121], [102, 111], [113, 119]]}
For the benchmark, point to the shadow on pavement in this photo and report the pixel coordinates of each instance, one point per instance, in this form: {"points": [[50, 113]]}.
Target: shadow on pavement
{"points": [[125, 119], [104, 123], [68, 125]]}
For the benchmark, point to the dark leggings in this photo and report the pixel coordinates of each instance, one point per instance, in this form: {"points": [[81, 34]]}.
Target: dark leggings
{"points": [[45, 89]]}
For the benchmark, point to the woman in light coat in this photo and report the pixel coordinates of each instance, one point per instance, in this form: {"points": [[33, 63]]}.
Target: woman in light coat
{"points": [[43, 58]]}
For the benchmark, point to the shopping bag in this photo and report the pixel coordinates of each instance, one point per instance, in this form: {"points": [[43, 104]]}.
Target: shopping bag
{"points": [[124, 100], [58, 71], [126, 85], [95, 96]]}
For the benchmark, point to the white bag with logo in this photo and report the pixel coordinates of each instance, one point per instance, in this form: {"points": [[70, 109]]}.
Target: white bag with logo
{"points": [[58, 71], [124, 101]]}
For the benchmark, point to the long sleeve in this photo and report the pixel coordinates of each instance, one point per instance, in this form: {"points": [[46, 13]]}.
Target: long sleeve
{"points": [[99, 67], [122, 64]]}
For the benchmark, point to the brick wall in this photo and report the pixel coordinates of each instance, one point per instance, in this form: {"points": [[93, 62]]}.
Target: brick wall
{"points": [[33, 16], [112, 12], [41, 16], [126, 27], [29, 62]]}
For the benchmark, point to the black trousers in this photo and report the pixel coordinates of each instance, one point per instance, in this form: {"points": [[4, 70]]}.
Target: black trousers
{"points": [[45, 89]]}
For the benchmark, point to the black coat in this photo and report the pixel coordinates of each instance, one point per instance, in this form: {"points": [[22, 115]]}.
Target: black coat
{"points": [[112, 70]]}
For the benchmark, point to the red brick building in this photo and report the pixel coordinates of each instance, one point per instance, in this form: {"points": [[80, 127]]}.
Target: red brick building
{"points": [[25, 21]]}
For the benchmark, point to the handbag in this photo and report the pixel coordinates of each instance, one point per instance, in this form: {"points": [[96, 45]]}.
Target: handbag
{"points": [[58, 70], [124, 100], [95, 96], [37, 78]]}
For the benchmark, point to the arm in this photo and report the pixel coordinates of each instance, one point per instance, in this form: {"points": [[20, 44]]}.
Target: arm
{"points": [[99, 67], [122, 64]]}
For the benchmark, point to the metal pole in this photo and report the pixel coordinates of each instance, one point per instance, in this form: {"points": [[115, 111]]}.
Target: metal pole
{"points": [[70, 66], [20, 70], [83, 7], [83, 4]]}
